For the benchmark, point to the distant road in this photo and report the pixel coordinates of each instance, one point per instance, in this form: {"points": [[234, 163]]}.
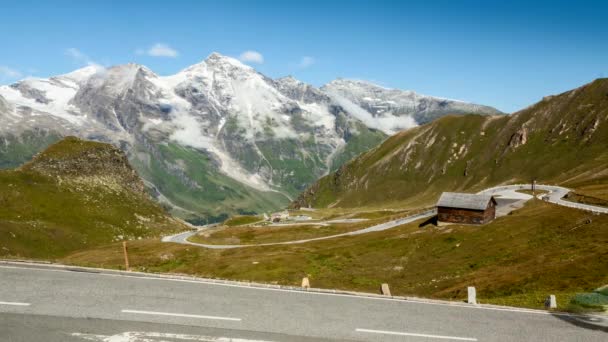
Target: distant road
{"points": [[556, 193], [507, 196], [183, 237], [68, 304]]}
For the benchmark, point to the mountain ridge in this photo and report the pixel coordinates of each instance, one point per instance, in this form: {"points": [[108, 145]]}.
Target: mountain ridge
{"points": [[562, 139], [216, 132]]}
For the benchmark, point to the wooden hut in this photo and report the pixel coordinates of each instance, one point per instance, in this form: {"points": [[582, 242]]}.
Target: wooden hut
{"points": [[466, 208]]}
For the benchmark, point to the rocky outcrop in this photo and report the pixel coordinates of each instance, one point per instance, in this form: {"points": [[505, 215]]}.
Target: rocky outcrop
{"points": [[86, 161], [519, 138]]}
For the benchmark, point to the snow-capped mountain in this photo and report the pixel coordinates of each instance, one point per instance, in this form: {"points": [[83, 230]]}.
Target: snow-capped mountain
{"points": [[218, 137], [392, 110]]}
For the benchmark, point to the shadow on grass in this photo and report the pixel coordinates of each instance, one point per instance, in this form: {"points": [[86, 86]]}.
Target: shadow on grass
{"points": [[584, 321], [431, 221]]}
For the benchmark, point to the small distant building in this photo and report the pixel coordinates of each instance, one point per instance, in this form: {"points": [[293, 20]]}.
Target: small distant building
{"points": [[457, 207], [280, 216]]}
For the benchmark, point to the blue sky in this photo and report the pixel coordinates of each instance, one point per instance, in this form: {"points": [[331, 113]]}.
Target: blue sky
{"points": [[507, 54]]}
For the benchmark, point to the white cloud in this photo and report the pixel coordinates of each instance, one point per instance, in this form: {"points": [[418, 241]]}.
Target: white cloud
{"points": [[80, 58], [388, 124], [7, 73], [252, 56], [306, 61], [159, 50]]}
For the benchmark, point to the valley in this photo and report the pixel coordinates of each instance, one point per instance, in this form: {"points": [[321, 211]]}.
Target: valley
{"points": [[217, 138], [530, 250], [303, 171]]}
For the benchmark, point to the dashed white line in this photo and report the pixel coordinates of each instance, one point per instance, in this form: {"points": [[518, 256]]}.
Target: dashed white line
{"points": [[156, 313], [385, 332], [15, 303]]}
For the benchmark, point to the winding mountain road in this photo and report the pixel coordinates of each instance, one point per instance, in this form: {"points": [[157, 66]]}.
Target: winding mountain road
{"points": [[507, 197], [183, 237], [555, 195]]}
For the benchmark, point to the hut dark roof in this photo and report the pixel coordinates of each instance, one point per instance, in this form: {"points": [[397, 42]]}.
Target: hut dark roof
{"points": [[464, 201]]}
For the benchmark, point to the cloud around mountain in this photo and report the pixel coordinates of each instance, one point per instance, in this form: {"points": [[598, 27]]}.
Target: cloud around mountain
{"points": [[251, 56]]}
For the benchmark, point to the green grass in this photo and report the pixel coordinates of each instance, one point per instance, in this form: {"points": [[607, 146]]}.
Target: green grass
{"points": [[49, 216], [592, 300], [357, 144], [191, 180], [518, 259], [270, 234], [248, 235], [530, 192], [242, 220], [585, 199], [377, 214]]}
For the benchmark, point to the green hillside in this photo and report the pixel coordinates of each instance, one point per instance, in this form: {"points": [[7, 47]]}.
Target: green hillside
{"points": [[515, 260], [75, 195], [562, 139], [191, 180]]}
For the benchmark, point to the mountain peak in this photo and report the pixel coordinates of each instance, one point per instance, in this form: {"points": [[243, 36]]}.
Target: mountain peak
{"points": [[355, 82], [82, 74], [215, 58], [289, 80]]}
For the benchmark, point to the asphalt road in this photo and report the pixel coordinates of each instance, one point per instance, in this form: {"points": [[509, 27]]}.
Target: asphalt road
{"points": [[44, 303], [556, 193]]}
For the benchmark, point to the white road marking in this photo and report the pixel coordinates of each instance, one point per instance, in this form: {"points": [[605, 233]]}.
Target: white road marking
{"points": [[136, 336], [253, 287], [15, 303], [416, 335], [181, 315]]}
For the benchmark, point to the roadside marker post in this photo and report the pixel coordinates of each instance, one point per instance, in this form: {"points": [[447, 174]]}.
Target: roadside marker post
{"points": [[472, 295], [386, 291], [124, 249], [305, 283], [551, 302]]}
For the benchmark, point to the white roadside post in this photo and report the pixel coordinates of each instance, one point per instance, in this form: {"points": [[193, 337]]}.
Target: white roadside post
{"points": [[551, 302], [305, 283], [386, 291], [124, 249], [472, 295]]}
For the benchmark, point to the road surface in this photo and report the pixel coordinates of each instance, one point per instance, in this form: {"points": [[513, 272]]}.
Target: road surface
{"points": [[49, 303], [556, 193]]}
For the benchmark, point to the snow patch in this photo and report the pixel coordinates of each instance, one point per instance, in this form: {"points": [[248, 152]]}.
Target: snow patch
{"points": [[388, 124]]}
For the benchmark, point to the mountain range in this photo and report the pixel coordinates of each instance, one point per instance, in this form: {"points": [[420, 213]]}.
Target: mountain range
{"points": [[218, 137], [562, 139]]}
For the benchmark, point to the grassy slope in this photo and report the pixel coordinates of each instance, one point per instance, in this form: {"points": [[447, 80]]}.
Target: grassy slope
{"points": [[242, 220], [270, 234], [198, 186], [566, 143], [357, 144], [516, 260], [47, 211]]}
